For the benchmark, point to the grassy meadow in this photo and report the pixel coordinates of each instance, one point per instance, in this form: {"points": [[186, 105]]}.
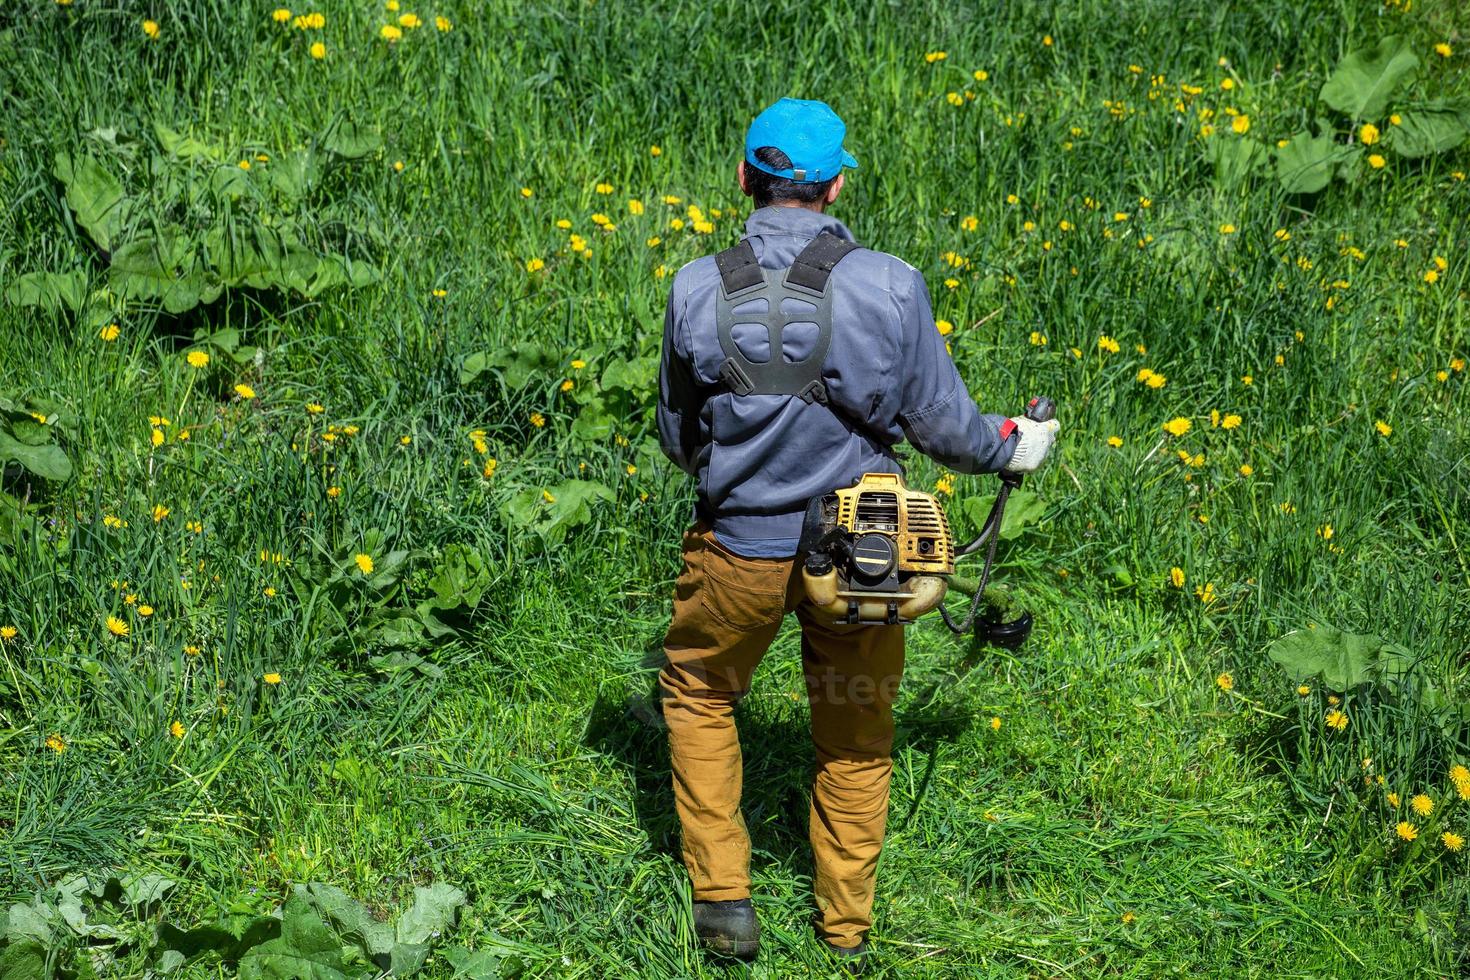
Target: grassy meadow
{"points": [[336, 548]]}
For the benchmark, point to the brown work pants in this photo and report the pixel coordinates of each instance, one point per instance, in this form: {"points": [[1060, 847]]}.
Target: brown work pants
{"points": [[727, 610]]}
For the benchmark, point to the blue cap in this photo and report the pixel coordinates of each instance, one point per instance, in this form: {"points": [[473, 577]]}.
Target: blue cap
{"points": [[808, 132]]}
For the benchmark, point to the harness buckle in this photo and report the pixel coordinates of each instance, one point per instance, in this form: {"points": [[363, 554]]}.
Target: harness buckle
{"points": [[735, 377]]}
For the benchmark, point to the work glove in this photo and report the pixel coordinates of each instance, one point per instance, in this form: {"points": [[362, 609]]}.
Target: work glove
{"points": [[1033, 442]]}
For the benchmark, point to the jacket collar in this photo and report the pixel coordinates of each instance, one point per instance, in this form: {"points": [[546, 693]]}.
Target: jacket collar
{"points": [[794, 222]]}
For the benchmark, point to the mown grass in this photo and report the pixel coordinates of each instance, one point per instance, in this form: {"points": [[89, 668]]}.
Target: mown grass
{"points": [[1127, 817]]}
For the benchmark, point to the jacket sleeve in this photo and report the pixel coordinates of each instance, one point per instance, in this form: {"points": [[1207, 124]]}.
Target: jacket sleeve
{"points": [[678, 405], [937, 414]]}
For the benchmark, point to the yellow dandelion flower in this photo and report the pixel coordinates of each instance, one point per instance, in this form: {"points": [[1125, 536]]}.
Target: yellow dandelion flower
{"points": [[145, 610], [272, 678], [334, 492], [535, 265], [116, 627], [1303, 690], [1176, 577], [150, 28], [944, 327], [1325, 532], [1336, 719], [1230, 421], [176, 729], [1384, 429], [390, 33], [364, 563], [57, 744], [1422, 804], [159, 512], [244, 391], [603, 188], [1247, 469], [1178, 426], [1368, 134], [995, 724], [1393, 800], [109, 333], [1225, 682], [567, 385], [1452, 841], [1107, 344], [1155, 380], [1115, 441], [409, 21], [1376, 161], [537, 419], [1205, 593], [1227, 229], [318, 50], [1406, 830], [8, 633], [655, 150], [281, 15], [1444, 51]]}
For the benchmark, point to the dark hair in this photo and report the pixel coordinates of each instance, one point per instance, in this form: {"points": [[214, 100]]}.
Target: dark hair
{"points": [[768, 189]]}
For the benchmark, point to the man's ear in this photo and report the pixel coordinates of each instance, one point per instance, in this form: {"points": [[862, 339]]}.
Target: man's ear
{"points": [[836, 188], [740, 176]]}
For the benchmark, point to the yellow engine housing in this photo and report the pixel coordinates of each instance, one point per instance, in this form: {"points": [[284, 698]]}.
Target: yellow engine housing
{"points": [[880, 502]]}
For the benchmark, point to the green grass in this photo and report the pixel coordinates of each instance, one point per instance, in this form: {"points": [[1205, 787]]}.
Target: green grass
{"points": [[1126, 818]]}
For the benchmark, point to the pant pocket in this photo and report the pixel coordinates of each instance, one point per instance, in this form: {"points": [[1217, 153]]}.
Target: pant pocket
{"points": [[743, 593]]}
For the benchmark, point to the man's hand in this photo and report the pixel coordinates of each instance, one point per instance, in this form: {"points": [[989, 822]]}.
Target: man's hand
{"points": [[1033, 442]]}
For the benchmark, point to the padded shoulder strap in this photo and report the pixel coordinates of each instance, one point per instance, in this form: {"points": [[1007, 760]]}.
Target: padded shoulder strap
{"points": [[814, 264], [738, 267]]}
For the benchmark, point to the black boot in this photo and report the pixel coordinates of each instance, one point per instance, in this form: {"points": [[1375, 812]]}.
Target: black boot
{"points": [[728, 927], [852, 962]]}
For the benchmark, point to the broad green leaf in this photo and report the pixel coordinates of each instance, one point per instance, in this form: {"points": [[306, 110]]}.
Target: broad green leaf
{"points": [[352, 922], [459, 580], [228, 180], [30, 432], [228, 938], [307, 949], [593, 424], [48, 462], [519, 365], [394, 628], [94, 195], [1235, 159], [69, 893], [399, 661], [473, 366], [432, 913], [637, 375], [50, 291], [1342, 660], [1364, 80], [1426, 131], [1306, 164], [150, 267], [179, 145], [22, 959], [295, 174], [569, 505], [146, 889], [348, 139], [1023, 508], [473, 964]]}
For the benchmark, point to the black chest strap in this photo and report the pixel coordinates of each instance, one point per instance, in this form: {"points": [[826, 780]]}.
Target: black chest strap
{"points": [[761, 297]]}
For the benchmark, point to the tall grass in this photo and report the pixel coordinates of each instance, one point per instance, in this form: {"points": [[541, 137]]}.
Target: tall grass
{"points": [[1123, 815]]}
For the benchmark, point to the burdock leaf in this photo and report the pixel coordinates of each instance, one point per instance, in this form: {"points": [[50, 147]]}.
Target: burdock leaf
{"points": [[1364, 80]]}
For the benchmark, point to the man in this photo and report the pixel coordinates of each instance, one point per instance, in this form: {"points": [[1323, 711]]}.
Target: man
{"points": [[792, 364]]}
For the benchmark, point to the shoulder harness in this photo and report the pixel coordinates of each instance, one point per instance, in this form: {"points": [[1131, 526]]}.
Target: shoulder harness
{"points": [[742, 281]]}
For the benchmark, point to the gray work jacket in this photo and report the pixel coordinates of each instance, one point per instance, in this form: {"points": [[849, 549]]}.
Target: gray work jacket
{"points": [[758, 459]]}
